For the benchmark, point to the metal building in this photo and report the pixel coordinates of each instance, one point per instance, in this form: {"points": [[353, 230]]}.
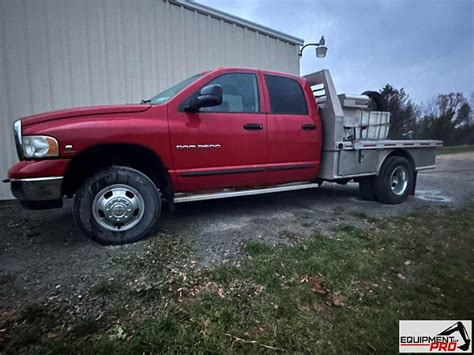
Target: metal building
{"points": [[60, 53]]}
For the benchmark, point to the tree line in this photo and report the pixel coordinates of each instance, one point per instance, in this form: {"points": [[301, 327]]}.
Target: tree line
{"points": [[447, 117]]}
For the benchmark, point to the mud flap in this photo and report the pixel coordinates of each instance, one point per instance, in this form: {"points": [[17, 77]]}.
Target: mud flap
{"points": [[412, 191], [366, 188]]}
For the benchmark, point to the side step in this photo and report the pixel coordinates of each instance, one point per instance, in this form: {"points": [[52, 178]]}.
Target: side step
{"points": [[179, 198]]}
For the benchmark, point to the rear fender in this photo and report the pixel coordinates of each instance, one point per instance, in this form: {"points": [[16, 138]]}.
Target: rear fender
{"points": [[392, 152]]}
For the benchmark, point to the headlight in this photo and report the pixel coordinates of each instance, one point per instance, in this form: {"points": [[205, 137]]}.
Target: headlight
{"points": [[40, 147]]}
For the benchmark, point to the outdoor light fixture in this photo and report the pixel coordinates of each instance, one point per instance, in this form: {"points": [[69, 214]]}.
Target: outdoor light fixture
{"points": [[321, 48]]}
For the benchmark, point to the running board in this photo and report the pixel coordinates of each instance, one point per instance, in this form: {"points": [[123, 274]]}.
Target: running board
{"points": [[179, 198]]}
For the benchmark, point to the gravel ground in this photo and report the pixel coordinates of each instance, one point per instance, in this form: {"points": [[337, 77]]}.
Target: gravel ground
{"points": [[44, 256]]}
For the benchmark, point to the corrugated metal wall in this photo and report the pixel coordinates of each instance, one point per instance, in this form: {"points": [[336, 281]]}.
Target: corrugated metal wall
{"points": [[63, 53]]}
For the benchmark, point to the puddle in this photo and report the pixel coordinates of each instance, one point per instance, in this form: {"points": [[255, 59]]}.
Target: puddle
{"points": [[432, 196]]}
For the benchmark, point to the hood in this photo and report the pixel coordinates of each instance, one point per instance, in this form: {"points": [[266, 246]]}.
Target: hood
{"points": [[82, 111]]}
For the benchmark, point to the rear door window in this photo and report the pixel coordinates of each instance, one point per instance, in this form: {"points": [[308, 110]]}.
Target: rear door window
{"points": [[286, 96]]}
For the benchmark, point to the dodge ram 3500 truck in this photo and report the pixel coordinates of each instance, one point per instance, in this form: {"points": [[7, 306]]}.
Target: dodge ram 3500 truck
{"points": [[223, 133]]}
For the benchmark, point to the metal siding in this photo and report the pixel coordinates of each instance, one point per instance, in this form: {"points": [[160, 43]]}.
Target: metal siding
{"points": [[56, 54]]}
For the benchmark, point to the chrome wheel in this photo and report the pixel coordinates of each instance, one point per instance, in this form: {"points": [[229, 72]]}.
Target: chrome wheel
{"points": [[399, 180], [118, 207]]}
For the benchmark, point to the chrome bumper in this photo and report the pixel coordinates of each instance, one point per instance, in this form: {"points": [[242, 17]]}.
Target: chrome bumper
{"points": [[37, 189]]}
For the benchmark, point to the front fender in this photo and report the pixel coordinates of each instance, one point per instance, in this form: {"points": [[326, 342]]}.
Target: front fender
{"points": [[75, 135]]}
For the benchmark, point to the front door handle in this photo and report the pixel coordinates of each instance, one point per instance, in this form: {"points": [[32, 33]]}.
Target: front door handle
{"points": [[253, 126], [308, 127]]}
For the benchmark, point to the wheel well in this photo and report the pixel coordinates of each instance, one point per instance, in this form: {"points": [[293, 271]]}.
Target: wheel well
{"points": [[97, 158], [400, 153]]}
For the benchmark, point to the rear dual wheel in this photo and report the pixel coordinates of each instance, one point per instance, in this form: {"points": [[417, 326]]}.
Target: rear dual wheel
{"points": [[117, 206], [392, 185]]}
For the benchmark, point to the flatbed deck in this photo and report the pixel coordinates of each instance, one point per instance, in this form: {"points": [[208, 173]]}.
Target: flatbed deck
{"points": [[345, 156]]}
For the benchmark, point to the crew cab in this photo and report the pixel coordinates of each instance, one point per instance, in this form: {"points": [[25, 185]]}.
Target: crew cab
{"points": [[223, 133]]}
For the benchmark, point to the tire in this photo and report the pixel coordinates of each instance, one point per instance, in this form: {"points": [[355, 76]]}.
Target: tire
{"points": [[117, 206], [395, 181], [366, 188], [378, 99]]}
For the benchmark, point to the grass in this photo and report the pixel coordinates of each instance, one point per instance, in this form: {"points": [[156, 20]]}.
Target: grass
{"points": [[86, 327], [455, 149], [343, 294], [32, 311], [105, 288], [362, 215]]}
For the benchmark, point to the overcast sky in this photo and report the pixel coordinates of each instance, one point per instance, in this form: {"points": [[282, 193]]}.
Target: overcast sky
{"points": [[424, 46]]}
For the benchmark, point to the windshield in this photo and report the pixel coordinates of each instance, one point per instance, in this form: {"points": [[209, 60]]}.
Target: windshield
{"points": [[164, 96]]}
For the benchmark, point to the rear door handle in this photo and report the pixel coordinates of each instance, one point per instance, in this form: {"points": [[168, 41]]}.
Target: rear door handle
{"points": [[253, 126], [308, 127]]}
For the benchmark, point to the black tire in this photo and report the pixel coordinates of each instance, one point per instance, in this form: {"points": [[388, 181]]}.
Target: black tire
{"points": [[141, 195], [385, 189], [366, 188], [380, 104]]}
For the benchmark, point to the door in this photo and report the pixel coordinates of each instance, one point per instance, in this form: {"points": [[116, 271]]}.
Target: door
{"points": [[294, 132], [221, 146]]}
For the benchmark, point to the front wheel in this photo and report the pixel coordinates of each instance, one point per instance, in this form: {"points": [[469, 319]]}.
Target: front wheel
{"points": [[117, 206], [395, 181]]}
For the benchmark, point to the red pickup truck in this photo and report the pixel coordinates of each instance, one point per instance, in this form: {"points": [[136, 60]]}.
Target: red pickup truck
{"points": [[223, 133]]}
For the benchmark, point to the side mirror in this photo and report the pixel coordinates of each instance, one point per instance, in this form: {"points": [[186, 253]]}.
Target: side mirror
{"points": [[210, 95]]}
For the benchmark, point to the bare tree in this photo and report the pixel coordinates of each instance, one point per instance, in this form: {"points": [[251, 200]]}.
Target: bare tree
{"points": [[447, 117]]}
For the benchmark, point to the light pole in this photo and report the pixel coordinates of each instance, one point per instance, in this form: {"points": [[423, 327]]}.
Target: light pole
{"points": [[321, 48]]}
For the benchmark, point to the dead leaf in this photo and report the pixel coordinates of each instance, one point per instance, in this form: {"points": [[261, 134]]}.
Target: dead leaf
{"points": [[51, 335], [401, 277], [407, 262], [317, 284], [338, 300], [221, 293]]}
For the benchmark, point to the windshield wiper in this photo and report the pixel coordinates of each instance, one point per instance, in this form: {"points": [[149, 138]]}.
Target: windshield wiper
{"points": [[145, 101]]}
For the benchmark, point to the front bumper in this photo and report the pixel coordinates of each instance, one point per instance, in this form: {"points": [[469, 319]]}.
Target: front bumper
{"points": [[38, 193], [38, 183], [37, 189]]}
